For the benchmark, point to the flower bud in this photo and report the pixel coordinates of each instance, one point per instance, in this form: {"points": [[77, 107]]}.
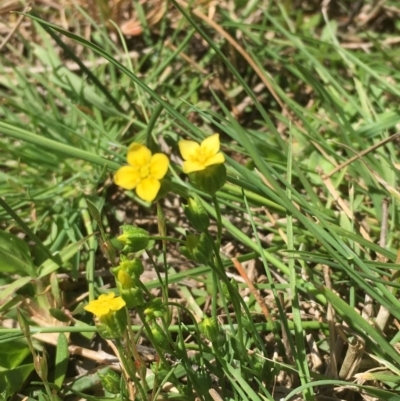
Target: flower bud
{"points": [[210, 329], [159, 337], [209, 180], [134, 238], [154, 309], [133, 267], [199, 247], [225, 289], [257, 362], [110, 380], [132, 296], [127, 276], [128, 272], [185, 252], [124, 279], [40, 364], [196, 213]]}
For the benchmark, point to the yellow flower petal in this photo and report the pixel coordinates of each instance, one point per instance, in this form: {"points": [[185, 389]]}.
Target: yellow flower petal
{"points": [[219, 158], [98, 308], [138, 155], [107, 297], [188, 149], [148, 189], [159, 166], [192, 166], [127, 177], [210, 145], [116, 303], [91, 307]]}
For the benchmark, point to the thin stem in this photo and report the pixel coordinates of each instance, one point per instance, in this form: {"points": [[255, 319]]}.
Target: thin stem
{"points": [[219, 220], [214, 304], [132, 349], [50, 394], [152, 122], [306, 325], [216, 250], [219, 267], [149, 333], [172, 239], [130, 369], [90, 265], [162, 229], [163, 288]]}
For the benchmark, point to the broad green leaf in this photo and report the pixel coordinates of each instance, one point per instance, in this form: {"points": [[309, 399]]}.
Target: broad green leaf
{"points": [[15, 378], [13, 353], [15, 257]]}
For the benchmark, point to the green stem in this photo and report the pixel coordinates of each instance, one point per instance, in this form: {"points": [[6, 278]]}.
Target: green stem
{"points": [[311, 325], [220, 267], [132, 349], [50, 394], [149, 333], [90, 265], [162, 229], [214, 303], [153, 119], [164, 289], [216, 250], [130, 369], [172, 239], [219, 220]]}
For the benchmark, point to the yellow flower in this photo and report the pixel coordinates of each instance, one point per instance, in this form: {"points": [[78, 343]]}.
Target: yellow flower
{"points": [[143, 173], [106, 304], [199, 156]]}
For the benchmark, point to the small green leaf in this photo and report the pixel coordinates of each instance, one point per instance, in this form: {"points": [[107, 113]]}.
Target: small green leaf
{"points": [[87, 334], [13, 287], [59, 315], [94, 212], [61, 360]]}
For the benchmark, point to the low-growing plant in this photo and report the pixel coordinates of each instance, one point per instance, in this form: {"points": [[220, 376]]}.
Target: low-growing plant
{"points": [[257, 183]]}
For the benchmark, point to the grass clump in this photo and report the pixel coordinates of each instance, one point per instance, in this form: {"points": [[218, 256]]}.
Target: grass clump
{"points": [[268, 271]]}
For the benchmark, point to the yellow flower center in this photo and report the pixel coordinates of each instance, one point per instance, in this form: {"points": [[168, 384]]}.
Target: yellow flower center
{"points": [[202, 156], [144, 171], [103, 305]]}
